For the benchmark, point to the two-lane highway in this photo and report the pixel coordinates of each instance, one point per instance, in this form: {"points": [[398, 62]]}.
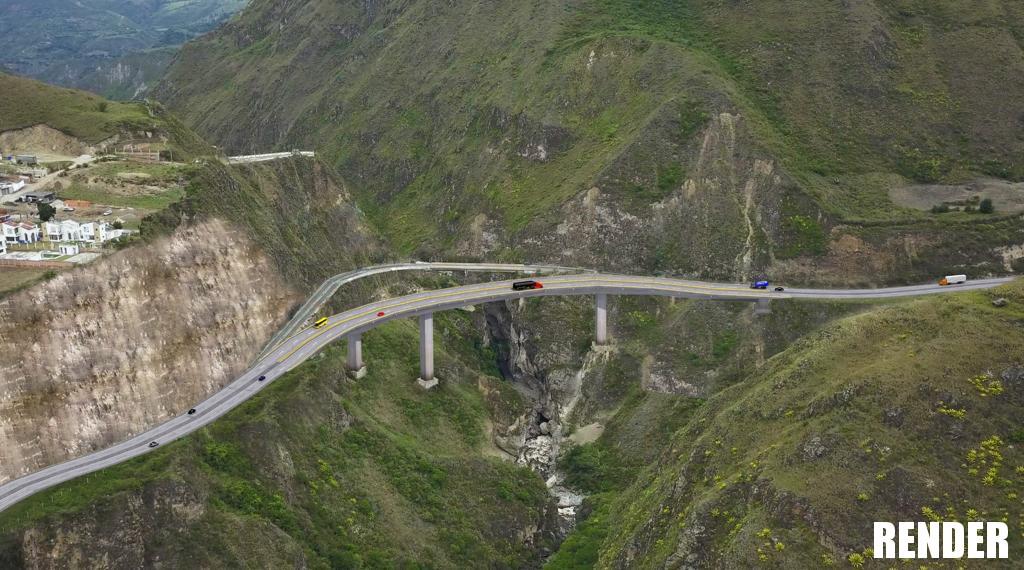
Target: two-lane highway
{"points": [[298, 347]]}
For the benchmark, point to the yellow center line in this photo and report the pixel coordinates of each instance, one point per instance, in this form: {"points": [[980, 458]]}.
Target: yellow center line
{"points": [[504, 286]]}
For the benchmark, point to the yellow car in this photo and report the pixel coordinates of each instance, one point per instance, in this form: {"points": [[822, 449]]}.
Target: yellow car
{"points": [[320, 322]]}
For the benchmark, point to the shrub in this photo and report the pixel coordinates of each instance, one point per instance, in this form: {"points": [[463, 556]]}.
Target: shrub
{"points": [[805, 236], [590, 468], [46, 211], [986, 207]]}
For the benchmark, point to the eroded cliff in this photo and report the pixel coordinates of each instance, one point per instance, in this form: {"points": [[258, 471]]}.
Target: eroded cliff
{"points": [[97, 354]]}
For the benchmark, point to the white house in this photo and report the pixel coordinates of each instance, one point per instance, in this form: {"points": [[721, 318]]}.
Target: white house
{"points": [[98, 232], [68, 249], [72, 231], [20, 232], [10, 185]]}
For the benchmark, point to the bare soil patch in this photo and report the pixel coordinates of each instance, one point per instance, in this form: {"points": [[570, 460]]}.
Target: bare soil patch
{"points": [[1006, 196]]}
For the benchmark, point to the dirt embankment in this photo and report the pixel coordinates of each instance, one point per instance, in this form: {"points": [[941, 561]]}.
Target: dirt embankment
{"points": [[97, 354], [43, 140]]}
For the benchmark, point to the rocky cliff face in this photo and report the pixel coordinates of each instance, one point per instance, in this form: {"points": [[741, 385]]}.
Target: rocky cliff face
{"points": [[97, 354]]}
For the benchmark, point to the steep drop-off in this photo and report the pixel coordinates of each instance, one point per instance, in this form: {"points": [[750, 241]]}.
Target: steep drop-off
{"points": [[103, 351], [908, 412], [95, 355]]}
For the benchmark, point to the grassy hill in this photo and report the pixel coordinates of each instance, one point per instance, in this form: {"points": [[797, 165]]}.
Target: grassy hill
{"points": [[908, 412], [773, 133], [83, 115], [91, 119]]}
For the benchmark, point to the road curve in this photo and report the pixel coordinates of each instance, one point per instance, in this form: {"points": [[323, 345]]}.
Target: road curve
{"points": [[298, 347], [329, 287]]}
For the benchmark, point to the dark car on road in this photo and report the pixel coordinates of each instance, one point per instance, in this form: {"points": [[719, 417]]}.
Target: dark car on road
{"points": [[526, 285], [153, 444]]}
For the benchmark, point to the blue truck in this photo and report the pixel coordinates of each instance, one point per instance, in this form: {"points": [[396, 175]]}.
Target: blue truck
{"points": [[759, 284]]}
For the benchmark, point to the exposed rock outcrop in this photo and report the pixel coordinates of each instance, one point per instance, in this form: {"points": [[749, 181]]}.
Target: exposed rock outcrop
{"points": [[97, 354]]}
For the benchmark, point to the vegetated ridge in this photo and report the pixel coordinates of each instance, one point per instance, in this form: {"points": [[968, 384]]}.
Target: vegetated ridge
{"points": [[85, 120], [699, 138]]}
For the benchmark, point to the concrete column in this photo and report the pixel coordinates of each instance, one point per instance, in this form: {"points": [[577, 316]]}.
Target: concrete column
{"points": [[426, 379], [355, 365], [601, 318], [763, 307]]}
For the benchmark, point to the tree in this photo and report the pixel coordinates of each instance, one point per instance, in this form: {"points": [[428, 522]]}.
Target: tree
{"points": [[986, 207], [102, 107], [46, 211]]}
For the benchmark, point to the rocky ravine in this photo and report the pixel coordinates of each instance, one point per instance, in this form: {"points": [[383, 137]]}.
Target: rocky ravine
{"points": [[103, 352]]}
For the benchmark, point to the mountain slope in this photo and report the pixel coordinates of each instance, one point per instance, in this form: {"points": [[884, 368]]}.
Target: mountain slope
{"points": [[908, 412], [637, 135], [30, 110], [318, 471], [106, 46]]}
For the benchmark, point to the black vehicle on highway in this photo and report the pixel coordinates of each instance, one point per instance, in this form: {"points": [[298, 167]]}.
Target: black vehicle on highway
{"points": [[153, 444], [526, 285]]}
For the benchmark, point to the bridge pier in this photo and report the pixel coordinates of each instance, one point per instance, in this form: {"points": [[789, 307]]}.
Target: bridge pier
{"points": [[601, 320], [763, 307], [356, 368], [427, 379]]}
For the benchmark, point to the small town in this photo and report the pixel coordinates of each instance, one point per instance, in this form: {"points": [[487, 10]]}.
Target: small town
{"points": [[43, 231]]}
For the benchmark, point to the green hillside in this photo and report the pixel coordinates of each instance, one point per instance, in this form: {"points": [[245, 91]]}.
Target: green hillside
{"points": [[92, 119], [319, 472], [905, 411], [80, 114], [772, 131], [909, 412]]}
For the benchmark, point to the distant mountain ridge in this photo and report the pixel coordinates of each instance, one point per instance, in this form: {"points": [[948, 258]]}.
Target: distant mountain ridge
{"points": [[690, 137], [112, 47]]}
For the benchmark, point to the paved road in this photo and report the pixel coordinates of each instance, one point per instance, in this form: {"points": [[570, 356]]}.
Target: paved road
{"points": [[270, 156], [305, 343], [44, 182], [331, 286]]}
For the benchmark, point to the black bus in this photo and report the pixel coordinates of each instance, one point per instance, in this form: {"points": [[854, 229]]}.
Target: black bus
{"points": [[524, 285]]}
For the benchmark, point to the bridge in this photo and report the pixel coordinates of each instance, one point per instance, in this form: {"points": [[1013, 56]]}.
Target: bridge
{"points": [[289, 352]]}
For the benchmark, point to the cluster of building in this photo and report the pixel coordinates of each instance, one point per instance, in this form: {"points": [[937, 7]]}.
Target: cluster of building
{"points": [[18, 176], [65, 233]]}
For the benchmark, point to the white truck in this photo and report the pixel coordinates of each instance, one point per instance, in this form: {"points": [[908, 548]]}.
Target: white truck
{"points": [[953, 280]]}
